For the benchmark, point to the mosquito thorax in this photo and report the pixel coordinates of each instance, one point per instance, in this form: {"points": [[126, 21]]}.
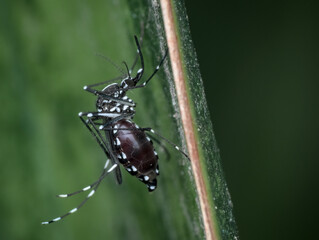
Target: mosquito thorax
{"points": [[115, 100]]}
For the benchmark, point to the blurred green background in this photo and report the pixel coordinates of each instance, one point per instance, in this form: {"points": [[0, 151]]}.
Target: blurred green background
{"points": [[260, 61], [47, 55]]}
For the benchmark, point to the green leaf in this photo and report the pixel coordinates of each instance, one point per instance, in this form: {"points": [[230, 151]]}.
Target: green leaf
{"points": [[47, 56]]}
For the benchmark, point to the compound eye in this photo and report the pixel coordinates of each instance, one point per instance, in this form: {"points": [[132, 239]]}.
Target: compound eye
{"points": [[124, 84]]}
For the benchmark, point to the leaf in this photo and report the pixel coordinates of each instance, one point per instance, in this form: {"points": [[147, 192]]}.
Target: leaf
{"points": [[47, 57]]}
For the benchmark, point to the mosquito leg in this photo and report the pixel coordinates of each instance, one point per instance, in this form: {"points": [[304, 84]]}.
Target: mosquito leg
{"points": [[166, 140], [140, 72], [99, 140], [85, 200], [106, 148], [87, 187], [152, 75], [109, 148], [141, 44]]}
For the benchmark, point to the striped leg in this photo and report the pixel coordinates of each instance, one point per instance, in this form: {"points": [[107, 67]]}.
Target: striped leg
{"points": [[89, 186], [166, 140], [141, 44], [106, 147], [88, 196], [152, 75]]}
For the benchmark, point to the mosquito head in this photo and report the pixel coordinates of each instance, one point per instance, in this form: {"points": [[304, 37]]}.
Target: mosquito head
{"points": [[127, 83]]}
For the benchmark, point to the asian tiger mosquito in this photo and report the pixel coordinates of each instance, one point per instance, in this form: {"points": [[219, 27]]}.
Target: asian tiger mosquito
{"points": [[124, 143]]}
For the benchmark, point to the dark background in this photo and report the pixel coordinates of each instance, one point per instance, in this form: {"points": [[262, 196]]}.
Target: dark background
{"points": [[259, 63]]}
